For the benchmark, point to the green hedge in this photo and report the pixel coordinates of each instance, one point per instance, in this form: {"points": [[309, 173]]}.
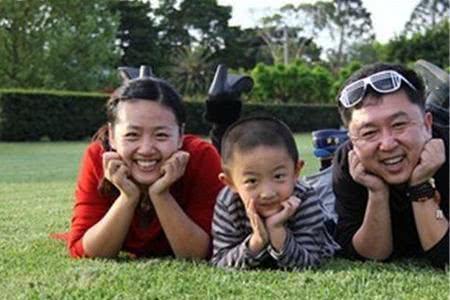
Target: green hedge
{"points": [[36, 115], [30, 116]]}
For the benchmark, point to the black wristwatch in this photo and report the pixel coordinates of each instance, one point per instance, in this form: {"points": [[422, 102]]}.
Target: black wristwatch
{"points": [[421, 192]]}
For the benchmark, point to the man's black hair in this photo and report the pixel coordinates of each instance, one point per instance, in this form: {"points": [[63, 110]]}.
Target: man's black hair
{"points": [[415, 96]]}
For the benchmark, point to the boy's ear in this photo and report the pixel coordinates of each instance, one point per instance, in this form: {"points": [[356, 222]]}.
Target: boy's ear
{"points": [[225, 179], [299, 166], [112, 141]]}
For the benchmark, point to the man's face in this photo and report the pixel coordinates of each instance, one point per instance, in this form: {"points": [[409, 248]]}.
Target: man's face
{"points": [[388, 136]]}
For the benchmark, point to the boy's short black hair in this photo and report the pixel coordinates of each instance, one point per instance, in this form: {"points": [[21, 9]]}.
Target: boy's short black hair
{"points": [[251, 132]]}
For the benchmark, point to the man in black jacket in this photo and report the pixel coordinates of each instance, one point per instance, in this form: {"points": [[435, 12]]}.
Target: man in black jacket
{"points": [[391, 178]]}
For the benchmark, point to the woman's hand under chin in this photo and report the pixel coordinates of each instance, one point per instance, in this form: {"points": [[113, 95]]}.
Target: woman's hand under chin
{"points": [[171, 170], [116, 171]]}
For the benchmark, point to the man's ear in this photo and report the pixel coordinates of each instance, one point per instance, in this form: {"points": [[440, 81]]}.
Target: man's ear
{"points": [[428, 120], [226, 180], [299, 166], [112, 141]]}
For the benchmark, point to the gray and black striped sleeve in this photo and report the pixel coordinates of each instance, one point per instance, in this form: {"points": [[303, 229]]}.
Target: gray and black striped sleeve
{"points": [[307, 242], [231, 232]]}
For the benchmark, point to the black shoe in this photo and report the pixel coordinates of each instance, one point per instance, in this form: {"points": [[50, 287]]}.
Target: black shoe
{"points": [[223, 104], [129, 73], [437, 83]]}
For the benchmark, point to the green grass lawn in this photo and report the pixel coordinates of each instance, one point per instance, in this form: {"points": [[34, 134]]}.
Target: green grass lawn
{"points": [[37, 181]]}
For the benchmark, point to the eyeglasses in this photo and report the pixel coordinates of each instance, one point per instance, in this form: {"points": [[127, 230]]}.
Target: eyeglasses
{"points": [[383, 82]]}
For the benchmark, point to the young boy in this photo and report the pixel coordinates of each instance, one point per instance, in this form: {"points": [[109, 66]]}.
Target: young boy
{"points": [[265, 216]]}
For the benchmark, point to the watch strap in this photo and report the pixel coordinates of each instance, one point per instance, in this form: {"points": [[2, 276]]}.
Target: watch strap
{"points": [[421, 192]]}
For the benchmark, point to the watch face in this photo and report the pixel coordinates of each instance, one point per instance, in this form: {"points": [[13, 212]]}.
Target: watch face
{"points": [[422, 199]]}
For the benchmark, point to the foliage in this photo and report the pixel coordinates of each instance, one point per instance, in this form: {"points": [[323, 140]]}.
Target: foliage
{"points": [[294, 83], [343, 75], [36, 115], [289, 34], [137, 35], [192, 70], [432, 45], [244, 48], [37, 182], [190, 24], [347, 21], [367, 53], [427, 14], [77, 45], [57, 44]]}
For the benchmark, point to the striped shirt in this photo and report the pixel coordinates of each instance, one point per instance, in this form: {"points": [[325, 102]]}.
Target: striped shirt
{"points": [[307, 241]]}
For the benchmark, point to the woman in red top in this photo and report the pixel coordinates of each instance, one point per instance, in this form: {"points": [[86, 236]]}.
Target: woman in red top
{"points": [[144, 187]]}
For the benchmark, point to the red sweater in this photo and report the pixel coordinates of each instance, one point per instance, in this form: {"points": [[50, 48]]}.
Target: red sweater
{"points": [[195, 192]]}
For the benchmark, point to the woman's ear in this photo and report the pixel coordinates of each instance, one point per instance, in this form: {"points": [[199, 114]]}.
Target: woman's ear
{"points": [[112, 140], [226, 180], [180, 140], [299, 166]]}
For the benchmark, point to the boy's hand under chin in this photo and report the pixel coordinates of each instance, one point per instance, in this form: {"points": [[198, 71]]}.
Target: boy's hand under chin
{"points": [[259, 238], [289, 208], [275, 223]]}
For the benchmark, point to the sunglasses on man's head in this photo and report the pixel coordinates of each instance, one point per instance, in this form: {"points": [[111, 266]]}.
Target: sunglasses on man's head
{"points": [[383, 82]]}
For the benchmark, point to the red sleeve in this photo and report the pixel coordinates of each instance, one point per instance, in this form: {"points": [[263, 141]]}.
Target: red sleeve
{"points": [[202, 185], [90, 206]]}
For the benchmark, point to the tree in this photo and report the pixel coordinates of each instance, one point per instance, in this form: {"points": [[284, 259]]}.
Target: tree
{"points": [[55, 44], [82, 54], [198, 30], [192, 70], [427, 14], [432, 45], [138, 35], [22, 32], [195, 23], [347, 21], [367, 53], [289, 33], [243, 49]]}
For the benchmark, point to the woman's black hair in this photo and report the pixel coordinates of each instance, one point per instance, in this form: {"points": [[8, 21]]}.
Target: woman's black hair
{"points": [[147, 88]]}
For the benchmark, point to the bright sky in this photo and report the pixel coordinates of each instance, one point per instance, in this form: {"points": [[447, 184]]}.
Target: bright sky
{"points": [[388, 16]]}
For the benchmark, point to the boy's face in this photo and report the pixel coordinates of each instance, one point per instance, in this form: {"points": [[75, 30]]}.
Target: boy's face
{"points": [[266, 174]]}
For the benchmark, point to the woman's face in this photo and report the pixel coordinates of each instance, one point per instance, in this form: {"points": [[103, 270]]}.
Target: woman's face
{"points": [[145, 135]]}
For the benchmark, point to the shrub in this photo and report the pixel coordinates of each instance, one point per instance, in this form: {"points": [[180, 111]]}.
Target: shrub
{"points": [[293, 83], [33, 115], [36, 115]]}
